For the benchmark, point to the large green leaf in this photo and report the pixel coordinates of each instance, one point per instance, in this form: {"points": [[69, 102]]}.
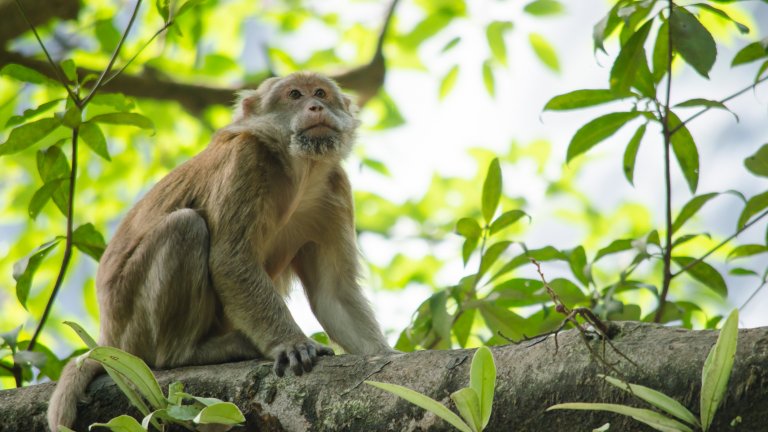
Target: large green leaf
{"points": [[506, 219], [691, 208], [495, 35], [23, 73], [124, 118], [491, 190], [468, 404], [544, 51], [717, 369], [757, 164], [54, 169], [694, 43], [598, 130], [630, 153], [685, 151], [752, 52], [631, 66], [425, 402], [133, 369], [651, 418], [24, 270], [123, 423], [754, 205], [224, 413], [661, 58], [89, 240], [26, 135], [491, 255], [502, 320], [482, 379], [94, 138], [746, 250], [583, 98], [705, 274], [655, 398], [469, 228]]}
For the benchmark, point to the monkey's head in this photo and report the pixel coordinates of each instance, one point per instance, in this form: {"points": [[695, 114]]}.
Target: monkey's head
{"points": [[308, 110]]}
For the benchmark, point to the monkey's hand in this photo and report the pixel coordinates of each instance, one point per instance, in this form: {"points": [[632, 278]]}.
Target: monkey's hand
{"points": [[300, 356]]}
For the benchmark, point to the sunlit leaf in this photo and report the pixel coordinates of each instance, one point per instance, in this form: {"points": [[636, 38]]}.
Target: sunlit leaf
{"points": [[544, 8], [462, 327], [502, 320], [755, 205], [717, 369], [468, 404], [506, 219], [124, 118], [28, 134], [94, 138], [448, 81], [224, 413], [746, 250], [482, 379], [757, 164], [121, 423], [44, 194], [89, 240], [107, 35], [685, 151], [86, 338], [703, 273], [24, 270], [488, 80], [655, 398], [598, 130], [441, 319], [495, 35], [583, 98], [54, 169], [29, 113], [491, 255], [694, 42], [651, 418], [25, 74], [491, 190], [468, 227], [605, 27], [544, 51], [470, 244], [577, 260], [691, 208], [133, 369], [631, 66], [721, 13], [163, 8], [661, 58], [630, 153], [752, 52], [425, 402], [451, 44], [699, 102]]}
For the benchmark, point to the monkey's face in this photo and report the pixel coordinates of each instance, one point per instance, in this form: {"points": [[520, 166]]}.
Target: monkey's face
{"points": [[319, 117]]}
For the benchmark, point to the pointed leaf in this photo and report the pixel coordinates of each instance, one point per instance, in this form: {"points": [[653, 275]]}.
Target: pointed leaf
{"points": [[482, 380], [656, 398], [757, 164], [752, 52], [25, 74], [754, 205], [630, 153], [425, 402], [469, 228], [24, 270], [717, 369], [491, 190], [596, 131], [448, 82], [468, 404], [224, 413], [94, 138], [694, 43], [583, 98], [631, 61], [32, 112], [44, 194], [506, 219], [124, 118], [89, 241], [495, 35], [89, 341], [544, 51], [133, 369], [705, 274], [721, 13], [746, 250], [121, 423], [28, 134], [661, 52], [690, 208], [462, 328], [491, 256], [696, 102], [685, 151], [488, 80], [615, 247], [544, 8], [470, 244], [651, 418]]}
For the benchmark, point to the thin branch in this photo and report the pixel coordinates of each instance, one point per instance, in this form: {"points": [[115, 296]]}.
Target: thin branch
{"points": [[762, 285], [67, 247], [146, 44], [59, 76], [667, 260], [111, 63], [719, 245]]}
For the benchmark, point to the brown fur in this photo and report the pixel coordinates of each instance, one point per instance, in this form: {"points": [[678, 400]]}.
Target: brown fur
{"points": [[197, 271]]}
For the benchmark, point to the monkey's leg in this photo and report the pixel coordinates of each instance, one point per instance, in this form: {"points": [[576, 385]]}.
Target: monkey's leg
{"points": [[174, 321], [329, 273]]}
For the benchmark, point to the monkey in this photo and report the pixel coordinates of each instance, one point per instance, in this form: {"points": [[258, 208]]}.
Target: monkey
{"points": [[197, 271]]}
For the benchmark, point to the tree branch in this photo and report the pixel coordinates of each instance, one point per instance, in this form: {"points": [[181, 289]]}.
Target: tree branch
{"points": [[39, 12]]}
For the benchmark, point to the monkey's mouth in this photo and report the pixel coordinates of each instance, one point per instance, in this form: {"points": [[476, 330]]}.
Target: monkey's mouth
{"points": [[318, 125]]}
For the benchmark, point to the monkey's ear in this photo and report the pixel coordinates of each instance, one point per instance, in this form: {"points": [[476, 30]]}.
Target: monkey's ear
{"points": [[349, 104], [248, 104]]}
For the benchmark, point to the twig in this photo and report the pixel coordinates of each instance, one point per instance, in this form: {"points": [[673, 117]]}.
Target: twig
{"points": [[146, 44], [762, 285]]}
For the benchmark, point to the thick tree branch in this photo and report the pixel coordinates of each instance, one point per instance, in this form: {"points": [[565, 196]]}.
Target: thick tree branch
{"points": [[530, 379], [39, 13]]}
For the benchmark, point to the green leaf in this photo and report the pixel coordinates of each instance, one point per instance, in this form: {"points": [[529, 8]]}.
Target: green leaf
{"points": [[441, 319], [72, 117], [448, 82], [690, 208], [596, 131], [721, 13], [462, 328], [544, 8], [547, 253], [117, 101], [86, 338], [491, 256], [469, 228], [685, 151], [163, 8], [124, 118], [89, 241], [451, 44], [183, 412], [188, 6], [630, 153], [468, 404], [10, 338], [655, 398], [495, 35], [583, 98], [717, 369], [425, 402], [53, 168], [694, 43], [28, 134], [482, 380], [752, 52], [705, 274], [224, 413], [24, 270], [746, 250], [42, 195], [605, 27], [616, 246], [651, 418], [94, 138], [754, 205], [25, 74], [29, 113], [107, 35], [69, 69], [661, 52], [470, 244], [491, 190], [757, 164], [544, 51], [696, 102], [577, 260], [488, 80], [502, 320], [121, 423], [133, 369], [631, 66], [506, 219]]}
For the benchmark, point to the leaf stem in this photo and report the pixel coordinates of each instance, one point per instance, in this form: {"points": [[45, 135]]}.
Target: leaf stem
{"points": [[67, 246], [721, 244], [667, 260], [146, 44]]}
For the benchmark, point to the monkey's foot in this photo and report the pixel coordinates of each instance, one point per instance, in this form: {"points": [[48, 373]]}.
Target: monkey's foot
{"points": [[300, 357]]}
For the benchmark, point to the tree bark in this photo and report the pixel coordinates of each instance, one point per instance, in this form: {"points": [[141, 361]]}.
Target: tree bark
{"points": [[530, 378]]}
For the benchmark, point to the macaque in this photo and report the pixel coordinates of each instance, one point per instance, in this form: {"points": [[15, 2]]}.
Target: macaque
{"points": [[198, 270]]}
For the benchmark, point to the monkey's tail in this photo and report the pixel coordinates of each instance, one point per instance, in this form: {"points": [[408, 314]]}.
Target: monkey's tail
{"points": [[62, 409]]}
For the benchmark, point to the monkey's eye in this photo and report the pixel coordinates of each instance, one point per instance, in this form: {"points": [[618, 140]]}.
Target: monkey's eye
{"points": [[320, 93], [294, 94]]}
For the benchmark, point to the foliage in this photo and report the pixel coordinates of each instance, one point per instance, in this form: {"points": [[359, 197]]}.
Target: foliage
{"points": [[136, 381], [474, 402], [714, 383]]}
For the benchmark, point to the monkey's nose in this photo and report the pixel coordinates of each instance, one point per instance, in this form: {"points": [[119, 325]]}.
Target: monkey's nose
{"points": [[316, 108]]}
